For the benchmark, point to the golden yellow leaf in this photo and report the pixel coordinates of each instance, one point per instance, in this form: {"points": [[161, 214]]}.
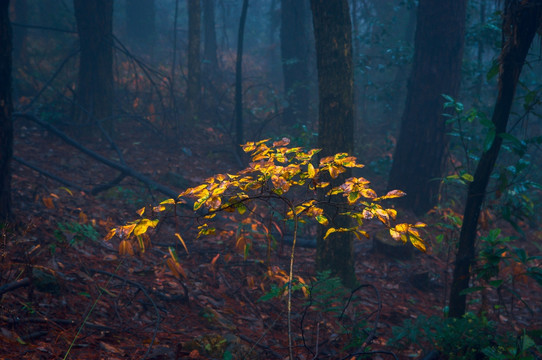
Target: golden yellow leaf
{"points": [[311, 172], [141, 211], [110, 234], [418, 243], [182, 242]]}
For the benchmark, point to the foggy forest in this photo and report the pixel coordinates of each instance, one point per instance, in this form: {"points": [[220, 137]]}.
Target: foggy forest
{"points": [[271, 179]]}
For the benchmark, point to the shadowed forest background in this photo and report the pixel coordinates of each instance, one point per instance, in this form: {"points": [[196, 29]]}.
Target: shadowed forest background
{"points": [[182, 179]]}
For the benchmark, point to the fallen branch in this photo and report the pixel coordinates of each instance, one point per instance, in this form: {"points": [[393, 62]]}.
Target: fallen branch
{"points": [[115, 165], [14, 285], [49, 175]]}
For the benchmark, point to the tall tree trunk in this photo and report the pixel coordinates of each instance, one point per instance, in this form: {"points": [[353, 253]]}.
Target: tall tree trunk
{"points": [[193, 91], [333, 38], [520, 23], [20, 33], [294, 53], [141, 24], [418, 161], [95, 89], [6, 108], [239, 135], [210, 57]]}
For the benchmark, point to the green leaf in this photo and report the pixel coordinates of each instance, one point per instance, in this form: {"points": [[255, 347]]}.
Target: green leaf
{"points": [[496, 283], [493, 71], [490, 137], [471, 290], [467, 177], [322, 219]]}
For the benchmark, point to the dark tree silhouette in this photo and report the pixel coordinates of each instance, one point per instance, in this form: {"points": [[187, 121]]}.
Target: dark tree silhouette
{"points": [[418, 161], [294, 55], [210, 48], [239, 134], [333, 38], [6, 108], [520, 23], [193, 91], [95, 87]]}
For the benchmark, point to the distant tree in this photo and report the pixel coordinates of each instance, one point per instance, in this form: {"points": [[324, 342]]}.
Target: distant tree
{"points": [[333, 38], [418, 161], [6, 108], [210, 58], [95, 88], [239, 134], [521, 21], [20, 12], [294, 55], [141, 23], [193, 91]]}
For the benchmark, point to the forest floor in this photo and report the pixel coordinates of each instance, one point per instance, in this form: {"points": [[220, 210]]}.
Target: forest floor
{"points": [[85, 301]]}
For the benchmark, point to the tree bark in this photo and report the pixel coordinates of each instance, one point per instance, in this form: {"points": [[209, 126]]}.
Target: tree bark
{"points": [[520, 23], [333, 39], [294, 55], [210, 46], [95, 89], [6, 108], [239, 135], [418, 161], [193, 91]]}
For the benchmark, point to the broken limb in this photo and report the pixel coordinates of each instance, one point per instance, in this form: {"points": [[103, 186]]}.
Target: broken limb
{"points": [[115, 165]]}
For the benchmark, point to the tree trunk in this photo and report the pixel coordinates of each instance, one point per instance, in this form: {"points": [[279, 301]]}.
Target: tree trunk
{"points": [[294, 53], [520, 22], [20, 8], [333, 39], [210, 57], [95, 89], [419, 155], [141, 24], [193, 91], [239, 135], [6, 108]]}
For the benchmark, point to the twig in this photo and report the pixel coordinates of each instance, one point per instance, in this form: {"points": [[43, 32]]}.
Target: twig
{"points": [[58, 321], [14, 285], [264, 347]]}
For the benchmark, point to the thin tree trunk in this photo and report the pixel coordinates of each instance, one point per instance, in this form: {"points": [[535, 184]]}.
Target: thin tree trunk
{"points": [[209, 46], [6, 108], [239, 136], [193, 91], [520, 22]]}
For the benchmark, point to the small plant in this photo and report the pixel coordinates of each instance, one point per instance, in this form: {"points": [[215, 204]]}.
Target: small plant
{"points": [[470, 337], [280, 177], [73, 233], [462, 338]]}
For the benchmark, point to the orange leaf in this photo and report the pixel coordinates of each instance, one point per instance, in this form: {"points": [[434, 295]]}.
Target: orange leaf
{"points": [[48, 202], [182, 241]]}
